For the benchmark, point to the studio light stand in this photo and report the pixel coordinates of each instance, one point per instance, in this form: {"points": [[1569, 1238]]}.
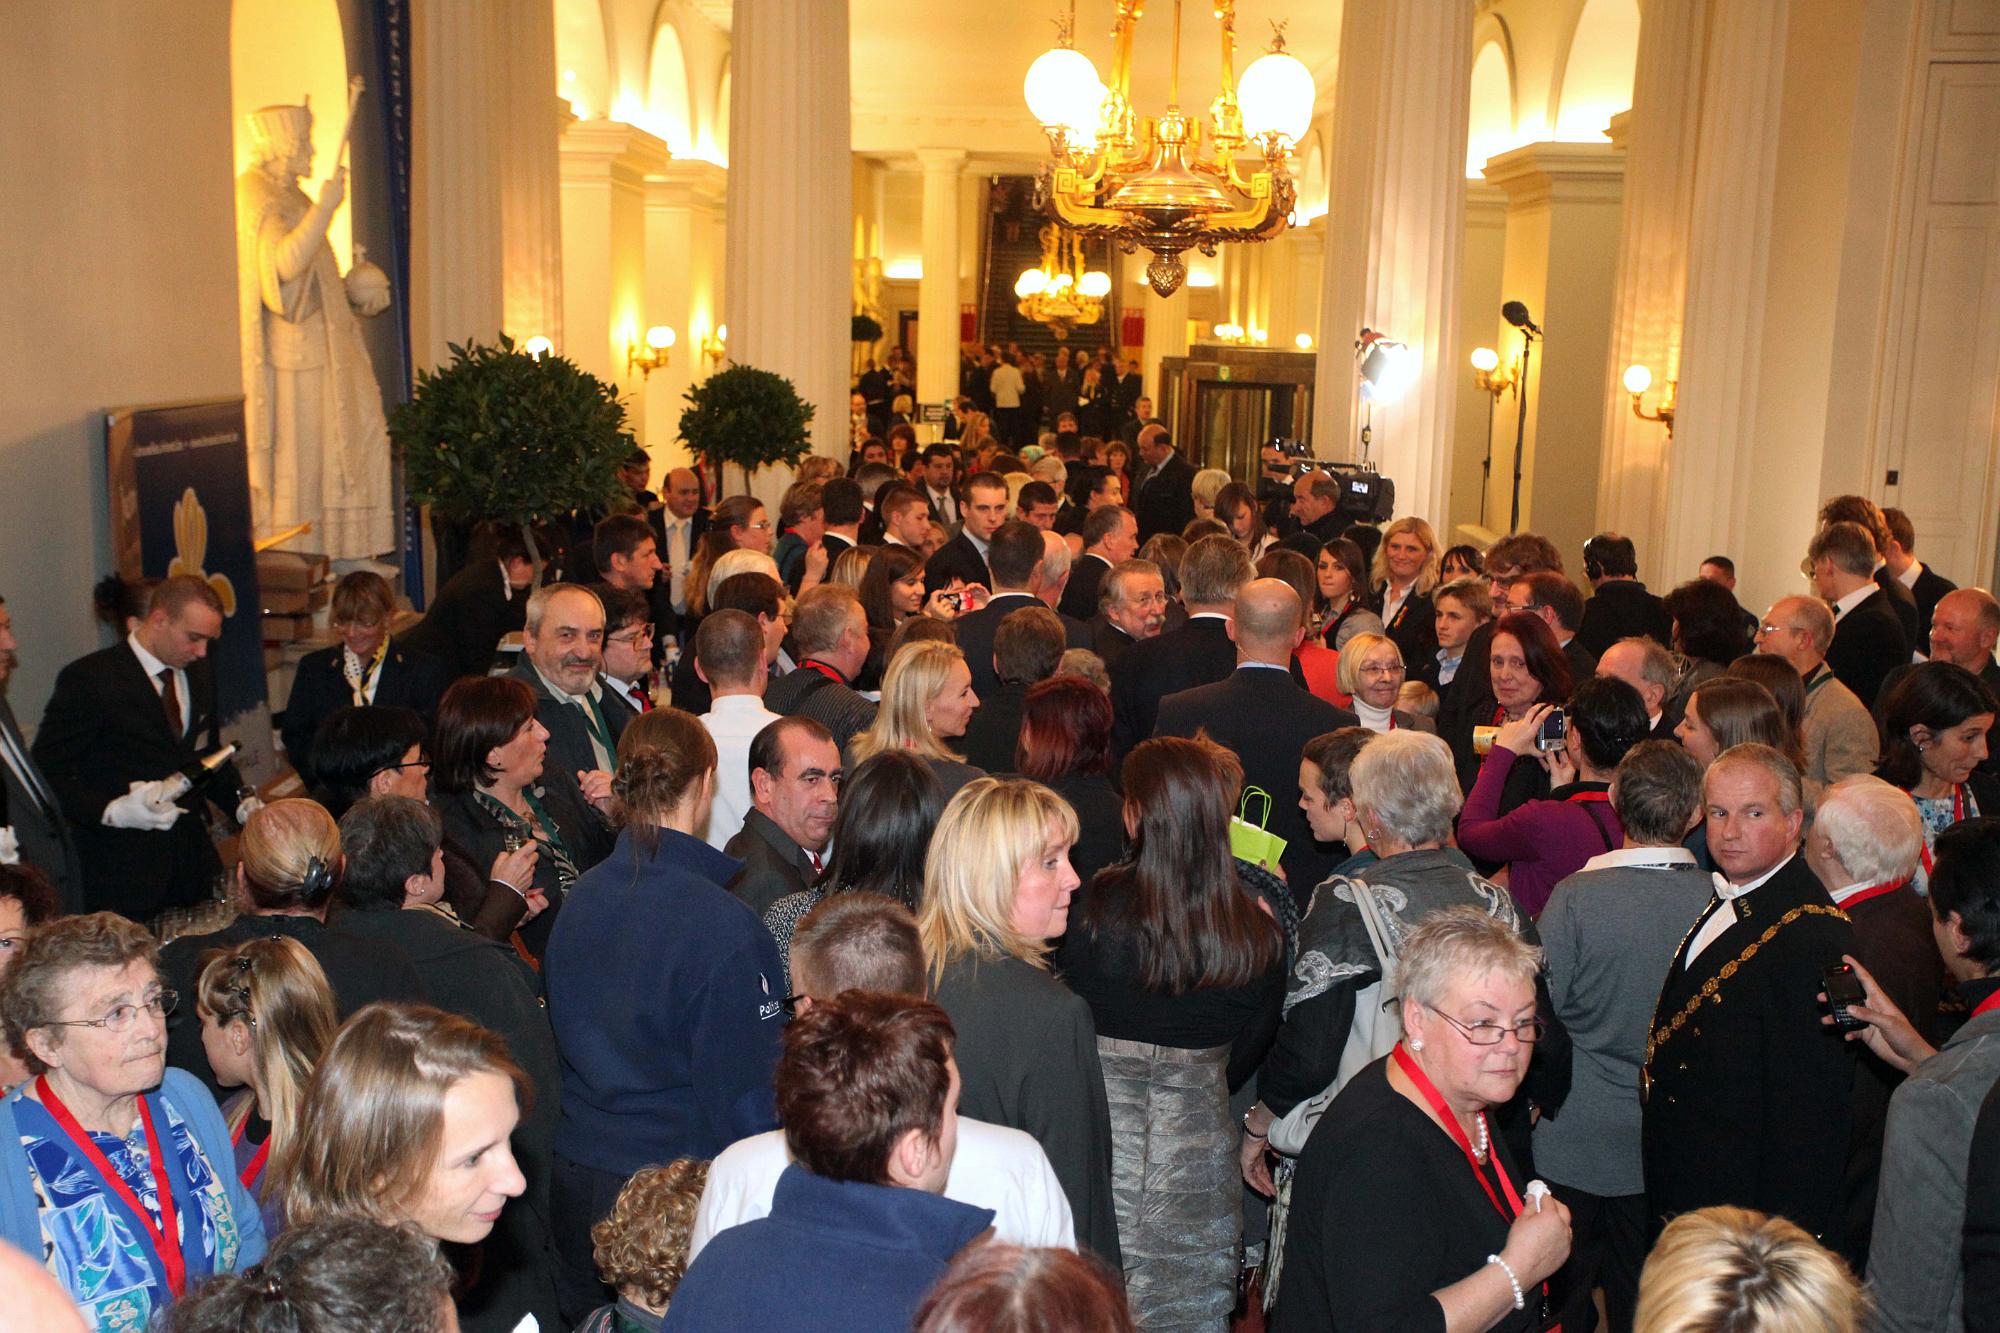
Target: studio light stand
{"points": [[1515, 313]]}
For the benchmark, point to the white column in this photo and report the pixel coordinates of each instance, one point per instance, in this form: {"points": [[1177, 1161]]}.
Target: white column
{"points": [[1710, 496], [937, 293], [605, 164], [1392, 265], [1166, 335], [790, 260], [1651, 285], [684, 204], [455, 187], [531, 120]]}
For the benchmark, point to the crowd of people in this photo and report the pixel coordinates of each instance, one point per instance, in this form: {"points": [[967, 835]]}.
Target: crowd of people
{"points": [[1027, 881]]}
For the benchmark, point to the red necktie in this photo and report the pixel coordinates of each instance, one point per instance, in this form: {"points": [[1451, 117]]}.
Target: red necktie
{"points": [[170, 699]]}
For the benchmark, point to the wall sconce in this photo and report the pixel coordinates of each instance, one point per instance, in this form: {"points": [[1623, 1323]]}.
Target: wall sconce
{"points": [[1638, 379], [1304, 342], [1231, 333], [538, 346], [653, 353], [714, 345]]}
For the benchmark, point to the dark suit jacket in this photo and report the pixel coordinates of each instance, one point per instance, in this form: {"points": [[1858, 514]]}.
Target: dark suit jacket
{"points": [[975, 631], [36, 814], [1904, 603], [957, 558], [1750, 1097], [467, 620], [105, 729], [570, 750], [1868, 643], [989, 738], [411, 678], [1623, 609], [1107, 640], [1086, 579], [1166, 503], [1263, 715], [1414, 629], [1582, 662], [1930, 588], [1197, 653], [480, 838], [773, 865]]}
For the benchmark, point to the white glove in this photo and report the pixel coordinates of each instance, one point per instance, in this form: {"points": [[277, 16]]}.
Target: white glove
{"points": [[247, 807], [142, 808]]}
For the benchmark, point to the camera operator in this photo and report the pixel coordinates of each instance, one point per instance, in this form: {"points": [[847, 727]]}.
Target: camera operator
{"points": [[1274, 486]]}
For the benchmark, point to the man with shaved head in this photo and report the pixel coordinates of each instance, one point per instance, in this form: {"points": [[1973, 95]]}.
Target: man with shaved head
{"points": [[1964, 626], [1839, 734], [1265, 717]]}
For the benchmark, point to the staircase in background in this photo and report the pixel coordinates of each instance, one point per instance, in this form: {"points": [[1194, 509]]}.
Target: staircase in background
{"points": [[1012, 242]]}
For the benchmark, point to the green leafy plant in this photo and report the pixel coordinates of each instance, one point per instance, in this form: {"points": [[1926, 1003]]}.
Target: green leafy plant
{"points": [[501, 435], [752, 418], [864, 329]]}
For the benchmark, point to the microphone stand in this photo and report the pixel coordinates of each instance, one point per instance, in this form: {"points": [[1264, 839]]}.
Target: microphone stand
{"points": [[1520, 425]]}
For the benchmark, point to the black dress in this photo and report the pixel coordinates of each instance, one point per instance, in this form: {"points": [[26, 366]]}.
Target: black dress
{"points": [[1385, 1211]]}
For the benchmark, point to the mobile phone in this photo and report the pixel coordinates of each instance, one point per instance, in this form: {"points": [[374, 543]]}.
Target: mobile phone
{"points": [[1553, 731], [955, 600], [1843, 988]]}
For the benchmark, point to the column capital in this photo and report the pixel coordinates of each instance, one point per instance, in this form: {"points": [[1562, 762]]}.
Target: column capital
{"points": [[1539, 173], [942, 159], [594, 148]]}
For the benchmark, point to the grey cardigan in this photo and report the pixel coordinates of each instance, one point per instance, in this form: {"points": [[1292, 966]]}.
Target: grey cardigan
{"points": [[1914, 1265]]}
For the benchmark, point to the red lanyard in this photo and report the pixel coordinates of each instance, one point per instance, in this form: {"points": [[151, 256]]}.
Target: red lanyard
{"points": [[1499, 714], [257, 1159], [811, 665], [1986, 1005], [1873, 891], [1957, 817], [166, 1235], [1435, 1099], [1574, 797]]}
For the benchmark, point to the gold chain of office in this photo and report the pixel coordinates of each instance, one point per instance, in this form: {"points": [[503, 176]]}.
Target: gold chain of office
{"points": [[1660, 1036]]}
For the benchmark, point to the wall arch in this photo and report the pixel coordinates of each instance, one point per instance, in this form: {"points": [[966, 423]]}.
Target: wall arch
{"points": [[1490, 120], [583, 61], [669, 110], [1596, 81]]}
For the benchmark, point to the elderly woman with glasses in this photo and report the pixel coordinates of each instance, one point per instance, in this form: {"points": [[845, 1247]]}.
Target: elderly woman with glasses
{"points": [[115, 1170], [1458, 1238], [1371, 672]]}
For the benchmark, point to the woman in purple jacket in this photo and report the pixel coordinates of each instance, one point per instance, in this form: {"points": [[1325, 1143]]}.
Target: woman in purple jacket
{"points": [[1545, 840]]}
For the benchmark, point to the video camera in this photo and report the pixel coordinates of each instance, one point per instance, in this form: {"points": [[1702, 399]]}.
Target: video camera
{"points": [[1366, 496]]}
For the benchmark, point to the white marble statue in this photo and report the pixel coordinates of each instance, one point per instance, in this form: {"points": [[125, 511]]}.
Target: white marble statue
{"points": [[319, 448]]}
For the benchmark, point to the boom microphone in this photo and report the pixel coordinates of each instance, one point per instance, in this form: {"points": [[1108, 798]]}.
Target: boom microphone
{"points": [[1516, 314]]}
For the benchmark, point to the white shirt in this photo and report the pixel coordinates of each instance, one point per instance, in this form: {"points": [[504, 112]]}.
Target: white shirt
{"points": [[733, 721], [1650, 858], [1725, 916], [1854, 599], [1840, 896], [995, 1167], [624, 689], [153, 666], [944, 505], [1393, 599], [1908, 578]]}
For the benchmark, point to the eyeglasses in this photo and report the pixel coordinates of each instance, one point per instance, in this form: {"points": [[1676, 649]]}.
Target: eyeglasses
{"points": [[123, 1016], [1388, 672], [421, 761], [791, 1004], [1528, 1031], [640, 634]]}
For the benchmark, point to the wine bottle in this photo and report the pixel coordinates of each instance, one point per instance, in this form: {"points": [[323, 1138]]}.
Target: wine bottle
{"points": [[196, 773]]}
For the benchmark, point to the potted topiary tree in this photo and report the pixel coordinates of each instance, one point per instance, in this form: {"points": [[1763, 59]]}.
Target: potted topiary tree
{"points": [[499, 435], [749, 417]]}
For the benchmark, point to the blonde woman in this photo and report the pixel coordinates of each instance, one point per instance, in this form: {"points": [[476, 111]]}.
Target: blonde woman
{"points": [[407, 1121], [266, 1018], [1733, 1268], [997, 887], [1371, 672], [1406, 569], [1208, 484], [927, 701]]}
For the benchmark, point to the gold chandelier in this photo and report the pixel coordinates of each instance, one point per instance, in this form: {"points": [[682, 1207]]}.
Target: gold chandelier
{"points": [[1142, 180], [1061, 294]]}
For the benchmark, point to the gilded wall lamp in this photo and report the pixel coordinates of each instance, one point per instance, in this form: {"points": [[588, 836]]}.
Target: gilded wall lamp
{"points": [[1638, 379]]}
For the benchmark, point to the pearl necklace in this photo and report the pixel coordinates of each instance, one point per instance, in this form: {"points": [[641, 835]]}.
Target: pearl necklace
{"points": [[1479, 1153]]}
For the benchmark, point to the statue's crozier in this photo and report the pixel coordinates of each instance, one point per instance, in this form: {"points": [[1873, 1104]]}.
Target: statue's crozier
{"points": [[318, 445]]}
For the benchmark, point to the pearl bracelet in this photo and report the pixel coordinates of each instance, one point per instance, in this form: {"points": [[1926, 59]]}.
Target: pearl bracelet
{"points": [[1520, 1301]]}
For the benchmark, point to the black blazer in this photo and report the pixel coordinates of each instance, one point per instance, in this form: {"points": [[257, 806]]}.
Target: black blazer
{"points": [[467, 619], [411, 678], [957, 558], [1106, 639], [1868, 643], [1197, 653], [1414, 630], [1749, 1100], [1166, 503], [975, 630], [105, 729], [989, 738], [1623, 609], [1930, 589], [1086, 578], [36, 814], [570, 751], [1266, 719], [1582, 662], [1904, 603], [774, 866], [481, 837]]}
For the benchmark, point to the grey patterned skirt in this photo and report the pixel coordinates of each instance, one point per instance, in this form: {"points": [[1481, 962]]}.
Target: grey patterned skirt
{"points": [[1174, 1181]]}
